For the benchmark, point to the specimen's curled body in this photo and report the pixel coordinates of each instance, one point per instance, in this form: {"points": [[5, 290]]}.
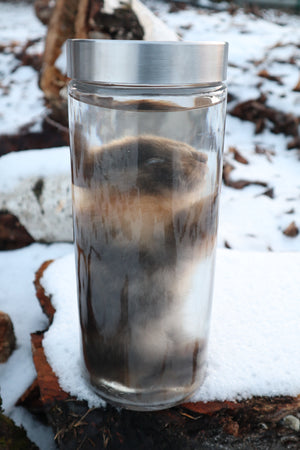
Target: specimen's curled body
{"points": [[145, 226]]}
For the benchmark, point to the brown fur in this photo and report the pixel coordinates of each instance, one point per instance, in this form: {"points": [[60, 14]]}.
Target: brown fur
{"points": [[143, 220], [143, 164]]}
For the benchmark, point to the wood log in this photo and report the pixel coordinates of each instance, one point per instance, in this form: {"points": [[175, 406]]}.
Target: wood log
{"points": [[52, 134], [61, 27], [12, 234], [82, 19], [70, 19], [258, 423]]}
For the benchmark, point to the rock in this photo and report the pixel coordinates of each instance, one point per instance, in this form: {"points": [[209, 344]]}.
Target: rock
{"points": [[292, 422], [43, 205], [38, 193], [7, 337]]}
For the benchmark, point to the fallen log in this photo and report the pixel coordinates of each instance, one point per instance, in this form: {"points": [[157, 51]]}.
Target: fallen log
{"points": [[86, 19], [35, 199], [260, 422], [12, 234]]}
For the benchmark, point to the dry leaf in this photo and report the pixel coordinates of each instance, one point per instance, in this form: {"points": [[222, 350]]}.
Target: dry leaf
{"points": [[238, 156], [258, 112], [297, 87], [264, 151], [265, 74], [292, 230], [238, 184]]}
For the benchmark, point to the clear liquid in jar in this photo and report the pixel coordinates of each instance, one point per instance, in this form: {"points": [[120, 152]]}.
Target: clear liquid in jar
{"points": [[145, 224]]}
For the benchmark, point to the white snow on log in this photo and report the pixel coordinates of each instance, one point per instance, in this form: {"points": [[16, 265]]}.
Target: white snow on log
{"points": [[254, 339], [109, 6], [154, 28], [35, 186], [17, 298]]}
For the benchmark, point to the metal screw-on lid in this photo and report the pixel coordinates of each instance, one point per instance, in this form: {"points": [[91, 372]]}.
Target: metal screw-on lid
{"points": [[147, 62]]}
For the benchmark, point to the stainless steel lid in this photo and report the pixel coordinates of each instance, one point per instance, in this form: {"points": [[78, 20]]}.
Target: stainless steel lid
{"points": [[147, 62]]}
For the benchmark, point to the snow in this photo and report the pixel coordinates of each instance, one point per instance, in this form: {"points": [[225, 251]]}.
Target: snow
{"points": [[253, 347], [64, 332], [21, 101], [254, 44], [19, 14], [47, 217], [16, 167], [249, 220], [17, 298], [254, 337], [37, 432]]}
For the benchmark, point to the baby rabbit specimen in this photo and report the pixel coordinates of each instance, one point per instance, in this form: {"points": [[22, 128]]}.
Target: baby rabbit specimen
{"points": [[144, 224]]}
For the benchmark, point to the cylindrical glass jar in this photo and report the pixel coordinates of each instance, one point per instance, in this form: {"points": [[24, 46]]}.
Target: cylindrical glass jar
{"points": [[146, 130]]}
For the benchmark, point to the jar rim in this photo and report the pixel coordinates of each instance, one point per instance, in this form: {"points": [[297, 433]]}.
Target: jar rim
{"points": [[149, 63]]}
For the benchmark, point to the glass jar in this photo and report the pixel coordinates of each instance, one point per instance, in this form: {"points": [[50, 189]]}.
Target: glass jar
{"points": [[146, 135]]}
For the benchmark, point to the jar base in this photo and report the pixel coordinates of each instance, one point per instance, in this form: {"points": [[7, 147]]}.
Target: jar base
{"points": [[142, 399]]}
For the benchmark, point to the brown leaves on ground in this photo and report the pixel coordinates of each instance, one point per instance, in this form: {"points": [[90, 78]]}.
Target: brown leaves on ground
{"points": [[242, 183], [265, 74], [27, 58], [238, 184], [238, 156], [259, 113], [265, 151]]}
